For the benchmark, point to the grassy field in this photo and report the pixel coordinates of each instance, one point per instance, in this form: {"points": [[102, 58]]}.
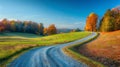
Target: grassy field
{"points": [[10, 43], [105, 49]]}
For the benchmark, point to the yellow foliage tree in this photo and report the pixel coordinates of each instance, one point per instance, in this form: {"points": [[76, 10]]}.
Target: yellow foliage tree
{"points": [[12, 25], [45, 31]]}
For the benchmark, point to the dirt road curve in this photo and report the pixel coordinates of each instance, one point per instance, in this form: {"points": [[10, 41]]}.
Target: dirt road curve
{"points": [[49, 56]]}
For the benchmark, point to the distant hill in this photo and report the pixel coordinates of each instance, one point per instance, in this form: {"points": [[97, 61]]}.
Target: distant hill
{"points": [[63, 30]]}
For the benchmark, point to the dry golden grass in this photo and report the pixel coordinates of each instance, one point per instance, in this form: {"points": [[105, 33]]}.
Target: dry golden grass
{"points": [[105, 49]]}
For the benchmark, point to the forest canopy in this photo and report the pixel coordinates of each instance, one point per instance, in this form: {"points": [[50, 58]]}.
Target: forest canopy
{"points": [[26, 27]]}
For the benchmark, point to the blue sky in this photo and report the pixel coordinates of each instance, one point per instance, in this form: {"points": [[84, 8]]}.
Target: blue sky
{"points": [[62, 13]]}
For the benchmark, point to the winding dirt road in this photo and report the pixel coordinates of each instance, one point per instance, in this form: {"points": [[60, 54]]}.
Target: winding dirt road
{"points": [[49, 56]]}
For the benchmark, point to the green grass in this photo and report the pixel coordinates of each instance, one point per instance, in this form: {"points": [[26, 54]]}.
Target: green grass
{"points": [[11, 43], [17, 35], [74, 53]]}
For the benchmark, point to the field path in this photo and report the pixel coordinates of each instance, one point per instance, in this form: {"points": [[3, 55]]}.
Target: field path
{"points": [[49, 56]]}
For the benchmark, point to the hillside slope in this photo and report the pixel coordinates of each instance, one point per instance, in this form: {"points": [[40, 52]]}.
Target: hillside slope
{"points": [[105, 49]]}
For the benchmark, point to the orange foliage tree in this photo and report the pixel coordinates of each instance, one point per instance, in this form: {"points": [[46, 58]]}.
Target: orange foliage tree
{"points": [[91, 22], [2, 28], [45, 31], [52, 29], [12, 25]]}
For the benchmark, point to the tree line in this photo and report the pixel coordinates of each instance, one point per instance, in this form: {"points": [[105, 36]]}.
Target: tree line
{"points": [[109, 22], [26, 27]]}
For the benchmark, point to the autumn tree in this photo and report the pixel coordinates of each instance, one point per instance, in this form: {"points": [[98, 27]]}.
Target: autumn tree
{"points": [[52, 29], [28, 27], [91, 22], [40, 28], [2, 28], [117, 20], [77, 30], [4, 23], [109, 22], [117, 23], [12, 25], [73, 30], [33, 27], [45, 31], [21, 26]]}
